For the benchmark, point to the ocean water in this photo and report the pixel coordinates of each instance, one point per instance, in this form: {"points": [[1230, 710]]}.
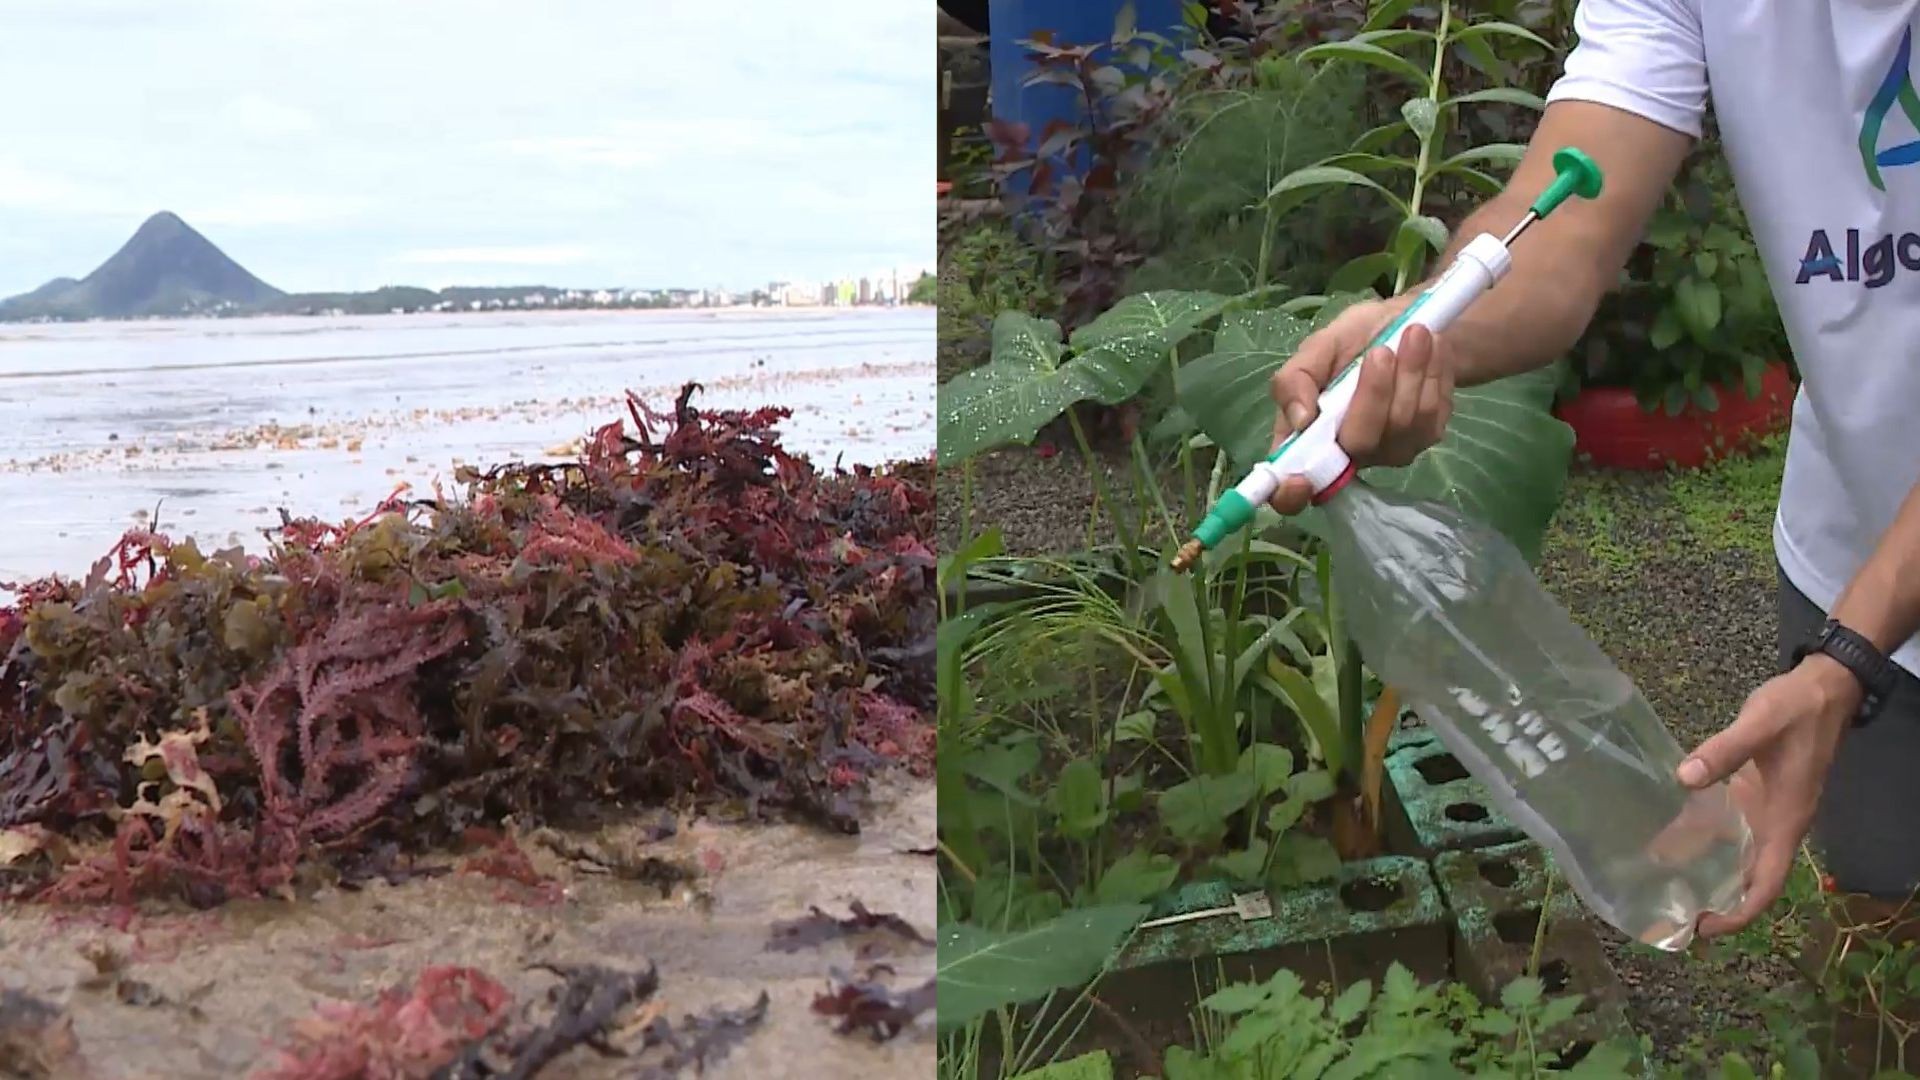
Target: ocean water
{"points": [[210, 427]]}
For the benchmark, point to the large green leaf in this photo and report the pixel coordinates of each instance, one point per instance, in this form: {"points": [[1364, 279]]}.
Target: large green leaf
{"points": [[1504, 458], [1196, 811], [1031, 379], [1494, 153], [1502, 29], [1226, 391], [1134, 335], [982, 970], [1504, 95], [997, 402], [1297, 186], [1315, 711], [1369, 54]]}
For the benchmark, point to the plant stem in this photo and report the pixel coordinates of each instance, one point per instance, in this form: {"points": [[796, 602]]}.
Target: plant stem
{"points": [[1147, 488], [1219, 473], [1186, 442], [966, 497], [958, 863], [1405, 271], [1540, 928], [1267, 226], [966, 527], [1101, 498], [1353, 713]]}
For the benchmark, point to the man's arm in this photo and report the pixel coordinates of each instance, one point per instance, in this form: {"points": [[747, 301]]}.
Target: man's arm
{"points": [[1565, 264], [1561, 269], [1632, 96], [1790, 728], [1882, 602]]}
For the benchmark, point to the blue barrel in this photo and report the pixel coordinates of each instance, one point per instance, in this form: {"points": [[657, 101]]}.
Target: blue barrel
{"points": [[1072, 22]]}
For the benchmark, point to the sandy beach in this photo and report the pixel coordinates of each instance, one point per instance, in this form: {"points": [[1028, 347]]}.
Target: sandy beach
{"points": [[211, 427]]}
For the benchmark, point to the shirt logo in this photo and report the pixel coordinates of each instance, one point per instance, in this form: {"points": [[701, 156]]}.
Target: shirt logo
{"points": [[1873, 261], [1897, 85]]}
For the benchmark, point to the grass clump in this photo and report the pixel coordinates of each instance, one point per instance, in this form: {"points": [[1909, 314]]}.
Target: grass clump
{"points": [[1730, 505]]}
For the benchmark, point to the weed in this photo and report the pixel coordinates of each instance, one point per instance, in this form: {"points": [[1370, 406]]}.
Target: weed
{"points": [[1730, 505]]}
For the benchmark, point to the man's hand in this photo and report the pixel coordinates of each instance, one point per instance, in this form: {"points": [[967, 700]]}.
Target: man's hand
{"points": [[1781, 746], [1400, 406]]}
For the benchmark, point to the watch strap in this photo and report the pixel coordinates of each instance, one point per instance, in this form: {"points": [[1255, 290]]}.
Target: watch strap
{"points": [[1871, 667]]}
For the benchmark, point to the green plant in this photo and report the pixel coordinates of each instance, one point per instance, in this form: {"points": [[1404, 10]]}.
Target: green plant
{"points": [[984, 270], [1211, 355], [1693, 312], [1066, 178], [925, 290], [1504, 457], [1277, 1028], [1199, 203], [1192, 651], [1015, 977], [1783, 1047]]}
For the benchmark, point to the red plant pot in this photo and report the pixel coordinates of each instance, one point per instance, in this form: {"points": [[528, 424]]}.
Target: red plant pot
{"points": [[1611, 430]]}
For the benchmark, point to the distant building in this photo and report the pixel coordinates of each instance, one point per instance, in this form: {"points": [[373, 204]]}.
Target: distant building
{"points": [[866, 291]]}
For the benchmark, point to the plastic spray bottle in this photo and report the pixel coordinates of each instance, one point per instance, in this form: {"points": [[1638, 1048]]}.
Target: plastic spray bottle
{"points": [[1447, 612]]}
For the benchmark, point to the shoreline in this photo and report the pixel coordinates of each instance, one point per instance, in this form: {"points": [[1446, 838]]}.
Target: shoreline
{"points": [[741, 311], [215, 453]]}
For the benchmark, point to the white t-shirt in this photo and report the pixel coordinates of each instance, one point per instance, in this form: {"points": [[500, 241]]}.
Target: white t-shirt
{"points": [[1820, 121]]}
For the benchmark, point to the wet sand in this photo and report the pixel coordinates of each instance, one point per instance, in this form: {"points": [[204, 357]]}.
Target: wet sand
{"points": [[214, 426], [220, 988]]}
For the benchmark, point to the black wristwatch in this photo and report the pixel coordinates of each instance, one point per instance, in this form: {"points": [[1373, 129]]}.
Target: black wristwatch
{"points": [[1855, 653]]}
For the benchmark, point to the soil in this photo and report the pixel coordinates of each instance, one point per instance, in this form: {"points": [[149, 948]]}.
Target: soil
{"points": [[1673, 577], [210, 994], [1042, 498]]}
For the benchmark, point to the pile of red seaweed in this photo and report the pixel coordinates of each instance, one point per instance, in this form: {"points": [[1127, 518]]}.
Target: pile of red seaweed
{"points": [[697, 617]]}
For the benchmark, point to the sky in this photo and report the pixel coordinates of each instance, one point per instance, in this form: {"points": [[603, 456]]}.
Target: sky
{"points": [[349, 144]]}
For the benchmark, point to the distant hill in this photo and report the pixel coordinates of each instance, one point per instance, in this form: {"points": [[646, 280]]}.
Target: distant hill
{"points": [[166, 268]]}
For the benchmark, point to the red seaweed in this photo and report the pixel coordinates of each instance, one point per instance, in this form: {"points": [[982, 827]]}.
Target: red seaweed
{"points": [[410, 1032], [688, 615]]}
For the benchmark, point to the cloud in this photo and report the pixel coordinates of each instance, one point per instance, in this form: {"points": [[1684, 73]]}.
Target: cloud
{"points": [[253, 210], [25, 188], [264, 117], [587, 150], [528, 255], [353, 141]]}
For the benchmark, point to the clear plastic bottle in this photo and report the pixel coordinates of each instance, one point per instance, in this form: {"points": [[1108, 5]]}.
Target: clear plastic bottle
{"points": [[1448, 613]]}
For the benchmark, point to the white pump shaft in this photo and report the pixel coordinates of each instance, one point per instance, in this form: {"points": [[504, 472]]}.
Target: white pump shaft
{"points": [[1315, 452]]}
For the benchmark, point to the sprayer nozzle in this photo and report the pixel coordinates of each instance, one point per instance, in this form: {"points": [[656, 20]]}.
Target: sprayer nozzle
{"points": [[1188, 554]]}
